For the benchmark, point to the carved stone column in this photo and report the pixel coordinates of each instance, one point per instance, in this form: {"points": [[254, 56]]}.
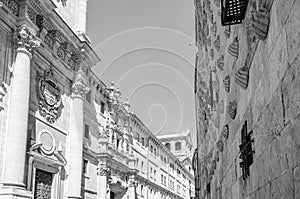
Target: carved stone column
{"points": [[132, 186], [75, 137], [16, 137], [103, 175]]}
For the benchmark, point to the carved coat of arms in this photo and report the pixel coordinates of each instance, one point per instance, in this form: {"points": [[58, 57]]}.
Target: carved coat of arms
{"points": [[49, 96]]}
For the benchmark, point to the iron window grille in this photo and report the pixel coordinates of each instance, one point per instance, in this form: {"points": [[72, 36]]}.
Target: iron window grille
{"points": [[246, 152], [233, 11]]}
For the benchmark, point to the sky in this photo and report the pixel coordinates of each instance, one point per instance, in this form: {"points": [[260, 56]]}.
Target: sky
{"points": [[147, 50]]}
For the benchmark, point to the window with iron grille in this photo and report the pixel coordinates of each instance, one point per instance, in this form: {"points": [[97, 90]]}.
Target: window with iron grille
{"points": [[233, 11], [246, 152]]}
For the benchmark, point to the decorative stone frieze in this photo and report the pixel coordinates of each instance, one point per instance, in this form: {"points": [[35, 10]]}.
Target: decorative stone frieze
{"points": [[226, 83], [242, 77], [233, 48], [232, 109], [49, 96], [80, 86]]}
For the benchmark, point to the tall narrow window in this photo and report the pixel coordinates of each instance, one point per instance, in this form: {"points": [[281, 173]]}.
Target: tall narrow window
{"points": [[168, 145], [246, 152], [102, 107], [85, 167], [178, 146], [86, 131]]}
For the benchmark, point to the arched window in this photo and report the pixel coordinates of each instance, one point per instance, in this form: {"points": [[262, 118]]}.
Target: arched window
{"points": [[168, 146], [178, 146]]}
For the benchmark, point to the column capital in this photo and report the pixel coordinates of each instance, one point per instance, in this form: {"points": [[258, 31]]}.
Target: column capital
{"points": [[104, 171], [80, 86], [26, 41]]}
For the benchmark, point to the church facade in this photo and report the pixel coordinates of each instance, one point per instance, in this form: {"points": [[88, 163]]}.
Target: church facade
{"points": [[63, 132]]}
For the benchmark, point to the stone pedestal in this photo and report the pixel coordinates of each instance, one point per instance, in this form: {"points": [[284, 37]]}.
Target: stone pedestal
{"points": [[16, 137], [75, 137]]}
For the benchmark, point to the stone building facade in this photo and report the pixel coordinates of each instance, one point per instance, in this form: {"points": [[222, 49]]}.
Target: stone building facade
{"points": [[63, 132], [247, 87]]}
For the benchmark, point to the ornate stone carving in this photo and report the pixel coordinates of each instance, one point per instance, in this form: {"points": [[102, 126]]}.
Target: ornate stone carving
{"points": [[49, 96], [80, 87], [12, 5], [225, 131], [226, 82], [220, 62], [104, 171], [26, 40], [233, 48], [260, 23], [220, 145], [232, 109], [242, 77]]}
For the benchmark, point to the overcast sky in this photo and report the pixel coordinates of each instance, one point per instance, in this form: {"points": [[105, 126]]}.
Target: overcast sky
{"points": [[144, 48]]}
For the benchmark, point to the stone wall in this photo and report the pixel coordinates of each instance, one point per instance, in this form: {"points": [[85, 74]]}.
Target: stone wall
{"points": [[270, 105]]}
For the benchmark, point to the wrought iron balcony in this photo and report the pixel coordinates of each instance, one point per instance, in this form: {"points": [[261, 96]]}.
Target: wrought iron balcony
{"points": [[233, 11]]}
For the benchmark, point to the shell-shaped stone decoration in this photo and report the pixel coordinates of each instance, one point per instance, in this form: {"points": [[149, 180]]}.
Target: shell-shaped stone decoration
{"points": [[209, 41], [226, 83], [217, 43], [227, 31], [242, 77], [260, 23], [220, 62], [232, 109], [225, 131], [220, 145], [217, 2], [233, 48], [214, 164], [213, 29]]}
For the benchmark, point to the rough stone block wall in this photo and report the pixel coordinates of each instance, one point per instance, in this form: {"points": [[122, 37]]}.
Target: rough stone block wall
{"points": [[271, 107]]}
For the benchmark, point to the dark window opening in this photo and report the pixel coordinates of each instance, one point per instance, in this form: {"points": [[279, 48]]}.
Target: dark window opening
{"points": [[102, 107], [246, 152], [168, 146], [178, 146], [86, 131]]}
